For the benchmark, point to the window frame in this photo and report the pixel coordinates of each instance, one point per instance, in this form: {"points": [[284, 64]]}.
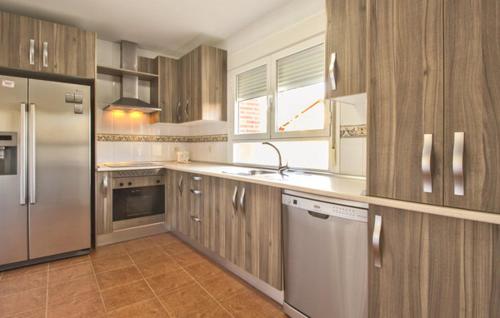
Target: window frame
{"points": [[271, 65]]}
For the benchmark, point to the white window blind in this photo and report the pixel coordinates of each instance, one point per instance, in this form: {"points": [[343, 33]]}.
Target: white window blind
{"points": [[252, 83], [301, 69]]}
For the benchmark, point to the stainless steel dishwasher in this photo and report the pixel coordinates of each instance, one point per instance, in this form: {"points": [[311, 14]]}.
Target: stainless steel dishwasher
{"points": [[326, 257]]}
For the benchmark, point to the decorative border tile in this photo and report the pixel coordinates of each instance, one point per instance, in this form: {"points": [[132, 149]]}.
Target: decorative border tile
{"points": [[159, 138], [352, 131]]}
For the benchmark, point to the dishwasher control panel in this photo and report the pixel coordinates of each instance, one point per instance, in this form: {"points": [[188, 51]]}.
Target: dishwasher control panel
{"points": [[327, 208]]}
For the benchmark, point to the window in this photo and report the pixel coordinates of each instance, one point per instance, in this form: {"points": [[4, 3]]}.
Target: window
{"points": [[280, 98]]}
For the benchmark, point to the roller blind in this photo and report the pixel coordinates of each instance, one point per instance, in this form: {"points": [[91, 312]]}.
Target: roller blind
{"points": [[301, 69], [252, 83]]}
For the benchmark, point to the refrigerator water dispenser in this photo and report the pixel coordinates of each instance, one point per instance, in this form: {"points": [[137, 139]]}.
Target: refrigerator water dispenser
{"points": [[8, 153]]}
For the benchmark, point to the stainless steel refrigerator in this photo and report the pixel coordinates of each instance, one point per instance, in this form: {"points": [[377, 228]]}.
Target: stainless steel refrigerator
{"points": [[45, 171]]}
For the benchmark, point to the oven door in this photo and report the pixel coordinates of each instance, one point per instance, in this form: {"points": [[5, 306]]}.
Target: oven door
{"points": [[130, 203]]}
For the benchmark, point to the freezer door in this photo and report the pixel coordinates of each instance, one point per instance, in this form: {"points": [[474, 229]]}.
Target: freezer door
{"points": [[59, 168], [13, 211]]}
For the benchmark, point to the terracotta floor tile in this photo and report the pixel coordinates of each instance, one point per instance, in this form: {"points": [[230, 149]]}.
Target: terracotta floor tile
{"points": [[111, 263], [23, 302], [177, 248], [124, 295], [69, 261], [147, 255], [191, 301], [248, 304], [223, 286], [25, 270], [146, 309], [15, 284], [189, 258], [204, 270], [138, 245], [90, 307], [69, 273], [108, 251], [39, 313], [164, 239], [81, 288], [118, 277], [160, 265], [167, 283]]}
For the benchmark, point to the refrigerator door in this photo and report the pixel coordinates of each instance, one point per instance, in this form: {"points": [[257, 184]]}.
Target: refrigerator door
{"points": [[13, 211], [59, 168]]}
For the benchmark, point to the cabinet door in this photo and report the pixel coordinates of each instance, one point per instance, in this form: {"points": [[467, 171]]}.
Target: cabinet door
{"points": [[472, 95], [261, 208], [212, 232], [405, 96], [185, 88], [346, 38], [213, 83], [182, 206], [234, 248], [16, 32], [66, 50], [169, 87], [194, 106], [172, 198], [433, 266]]}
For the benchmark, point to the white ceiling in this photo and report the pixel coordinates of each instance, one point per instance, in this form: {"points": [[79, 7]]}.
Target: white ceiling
{"points": [[172, 27]]}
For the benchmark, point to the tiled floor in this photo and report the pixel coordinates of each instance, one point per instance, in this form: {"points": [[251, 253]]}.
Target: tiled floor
{"points": [[158, 276]]}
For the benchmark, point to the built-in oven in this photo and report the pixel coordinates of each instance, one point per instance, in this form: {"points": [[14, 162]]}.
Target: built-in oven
{"points": [[138, 198]]}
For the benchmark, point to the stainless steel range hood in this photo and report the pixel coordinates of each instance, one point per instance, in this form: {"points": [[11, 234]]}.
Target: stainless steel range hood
{"points": [[129, 99]]}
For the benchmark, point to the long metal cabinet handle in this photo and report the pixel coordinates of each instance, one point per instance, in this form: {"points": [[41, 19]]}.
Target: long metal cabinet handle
{"points": [[45, 54], [22, 154], [458, 163], [178, 112], [32, 153], [179, 185], [331, 70], [197, 192], [377, 229], [242, 200], [186, 110], [32, 52], [235, 194], [427, 164]]}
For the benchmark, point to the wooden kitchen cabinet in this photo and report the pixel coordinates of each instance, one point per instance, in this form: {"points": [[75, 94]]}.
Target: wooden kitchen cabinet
{"points": [[178, 201], [42, 46], [203, 85], [434, 266], [167, 95], [103, 203], [345, 63], [16, 32]]}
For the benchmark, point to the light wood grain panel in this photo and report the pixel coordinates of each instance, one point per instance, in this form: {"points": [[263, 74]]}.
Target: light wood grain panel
{"points": [[213, 79], [346, 36], [405, 97], [15, 34], [430, 269], [472, 95]]}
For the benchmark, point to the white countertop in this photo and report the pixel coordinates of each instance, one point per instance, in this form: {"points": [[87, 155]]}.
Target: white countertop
{"points": [[345, 188]]}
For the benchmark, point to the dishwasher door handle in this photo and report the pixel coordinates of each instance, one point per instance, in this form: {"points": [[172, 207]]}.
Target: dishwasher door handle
{"points": [[318, 215]]}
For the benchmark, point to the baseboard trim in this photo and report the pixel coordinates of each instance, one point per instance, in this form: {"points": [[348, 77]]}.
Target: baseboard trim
{"points": [[275, 294]]}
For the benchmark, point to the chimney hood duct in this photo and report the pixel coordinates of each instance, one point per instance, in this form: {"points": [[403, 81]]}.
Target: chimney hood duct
{"points": [[129, 99]]}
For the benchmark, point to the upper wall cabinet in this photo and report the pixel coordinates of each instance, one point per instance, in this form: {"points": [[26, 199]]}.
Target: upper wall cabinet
{"points": [[434, 115], [203, 85], [345, 48], [41, 46]]}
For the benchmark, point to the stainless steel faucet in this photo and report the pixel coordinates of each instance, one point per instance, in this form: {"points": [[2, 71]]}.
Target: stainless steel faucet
{"points": [[281, 167]]}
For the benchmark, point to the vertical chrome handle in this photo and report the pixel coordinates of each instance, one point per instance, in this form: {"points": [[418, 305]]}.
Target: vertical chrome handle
{"points": [[427, 164], [186, 110], [331, 69], [45, 54], [178, 112], [458, 163], [32, 153], [105, 185], [32, 52], [377, 229], [179, 185], [235, 194], [22, 155], [242, 200]]}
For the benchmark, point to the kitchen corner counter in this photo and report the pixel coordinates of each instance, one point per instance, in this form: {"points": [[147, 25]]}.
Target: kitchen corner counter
{"points": [[344, 188]]}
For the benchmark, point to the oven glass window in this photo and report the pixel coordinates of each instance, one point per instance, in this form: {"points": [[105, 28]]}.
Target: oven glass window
{"points": [[137, 202]]}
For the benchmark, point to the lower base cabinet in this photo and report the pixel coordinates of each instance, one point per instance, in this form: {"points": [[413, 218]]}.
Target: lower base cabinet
{"points": [[433, 266], [239, 221]]}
